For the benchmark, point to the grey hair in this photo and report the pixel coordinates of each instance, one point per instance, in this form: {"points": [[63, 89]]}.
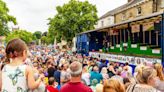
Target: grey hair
{"points": [[75, 69]]}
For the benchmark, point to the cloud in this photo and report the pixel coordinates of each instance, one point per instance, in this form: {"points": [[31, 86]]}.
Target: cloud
{"points": [[32, 15]]}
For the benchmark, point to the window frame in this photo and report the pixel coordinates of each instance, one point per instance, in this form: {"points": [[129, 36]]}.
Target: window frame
{"points": [[123, 17], [102, 23], [162, 3], [139, 12]]}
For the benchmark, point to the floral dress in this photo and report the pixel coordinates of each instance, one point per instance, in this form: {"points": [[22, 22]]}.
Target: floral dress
{"points": [[14, 79]]}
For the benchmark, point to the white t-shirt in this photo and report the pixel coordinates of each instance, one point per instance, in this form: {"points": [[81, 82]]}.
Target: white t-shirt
{"points": [[129, 69], [86, 77]]}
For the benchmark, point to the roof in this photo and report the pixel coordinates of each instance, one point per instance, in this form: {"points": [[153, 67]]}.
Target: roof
{"points": [[121, 8], [132, 20]]}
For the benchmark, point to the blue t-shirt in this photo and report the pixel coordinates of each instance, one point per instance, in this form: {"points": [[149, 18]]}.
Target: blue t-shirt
{"points": [[96, 75], [101, 66], [57, 76]]}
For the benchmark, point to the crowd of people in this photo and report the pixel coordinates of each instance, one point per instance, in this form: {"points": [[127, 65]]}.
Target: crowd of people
{"points": [[47, 69]]}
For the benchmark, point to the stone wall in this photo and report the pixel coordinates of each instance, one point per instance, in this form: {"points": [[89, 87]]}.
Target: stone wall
{"points": [[131, 13]]}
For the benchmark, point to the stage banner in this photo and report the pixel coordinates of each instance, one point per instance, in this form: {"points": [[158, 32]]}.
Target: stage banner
{"points": [[123, 59]]}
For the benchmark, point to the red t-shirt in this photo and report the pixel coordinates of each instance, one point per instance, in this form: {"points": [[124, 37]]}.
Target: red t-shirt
{"points": [[51, 89], [75, 87]]}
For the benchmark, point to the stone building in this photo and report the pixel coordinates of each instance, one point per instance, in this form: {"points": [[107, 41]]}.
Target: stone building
{"points": [[136, 8], [135, 30]]}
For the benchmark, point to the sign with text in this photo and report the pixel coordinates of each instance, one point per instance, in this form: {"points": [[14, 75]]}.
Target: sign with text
{"points": [[122, 58]]}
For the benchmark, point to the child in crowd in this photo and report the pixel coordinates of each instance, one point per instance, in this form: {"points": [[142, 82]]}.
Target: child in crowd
{"points": [[16, 76], [52, 85]]}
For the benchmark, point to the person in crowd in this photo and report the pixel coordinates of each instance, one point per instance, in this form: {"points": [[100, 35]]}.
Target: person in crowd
{"points": [[90, 67], [138, 67], [103, 64], [99, 87], [83, 81], [96, 75], [116, 65], [86, 76], [62, 60], [146, 81], [125, 73], [113, 85], [57, 75], [75, 84], [126, 82], [65, 76], [52, 84], [128, 68], [93, 85], [118, 75], [111, 71], [160, 75], [50, 69], [17, 75], [104, 73]]}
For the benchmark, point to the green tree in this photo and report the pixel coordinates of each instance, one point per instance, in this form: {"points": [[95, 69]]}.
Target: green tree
{"points": [[5, 18], [45, 34], [38, 34], [45, 40], [72, 18], [22, 34]]}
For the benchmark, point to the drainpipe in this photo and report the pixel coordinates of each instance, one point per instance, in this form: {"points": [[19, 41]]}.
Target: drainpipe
{"points": [[162, 38], [155, 6]]}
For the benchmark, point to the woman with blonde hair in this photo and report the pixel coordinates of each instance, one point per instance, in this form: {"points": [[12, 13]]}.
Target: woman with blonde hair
{"points": [[104, 73], [146, 81], [158, 67], [113, 85], [160, 75]]}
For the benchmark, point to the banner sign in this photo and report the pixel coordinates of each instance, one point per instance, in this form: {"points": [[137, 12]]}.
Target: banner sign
{"points": [[113, 32], [147, 26], [123, 59], [135, 28]]}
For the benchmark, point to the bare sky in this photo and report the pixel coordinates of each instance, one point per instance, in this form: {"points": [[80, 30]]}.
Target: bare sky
{"points": [[32, 15]]}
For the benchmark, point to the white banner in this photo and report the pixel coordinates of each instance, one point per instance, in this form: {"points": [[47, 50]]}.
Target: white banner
{"points": [[123, 59]]}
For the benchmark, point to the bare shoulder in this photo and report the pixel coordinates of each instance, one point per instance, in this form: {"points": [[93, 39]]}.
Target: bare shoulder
{"points": [[28, 69]]}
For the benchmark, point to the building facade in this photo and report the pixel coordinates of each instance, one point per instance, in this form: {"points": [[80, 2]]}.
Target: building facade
{"points": [[105, 21], [136, 30], [137, 8]]}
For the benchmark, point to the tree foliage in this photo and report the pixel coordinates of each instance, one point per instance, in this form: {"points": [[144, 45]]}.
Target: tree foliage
{"points": [[45, 40], [72, 18], [37, 34], [22, 34], [5, 18], [45, 34]]}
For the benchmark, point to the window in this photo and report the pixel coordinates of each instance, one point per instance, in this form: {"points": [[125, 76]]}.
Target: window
{"points": [[109, 20], [123, 16], [139, 11], [162, 3], [102, 23]]}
